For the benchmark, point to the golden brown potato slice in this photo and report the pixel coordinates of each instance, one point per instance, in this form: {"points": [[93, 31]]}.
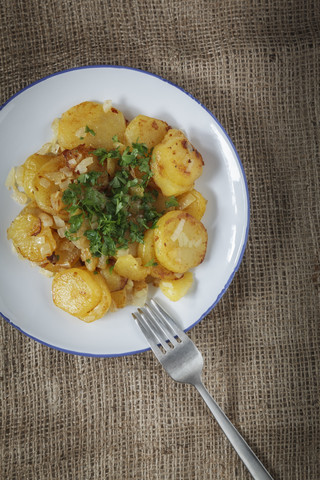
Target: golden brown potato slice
{"points": [[180, 241], [65, 256], [147, 254], [75, 291], [175, 164], [146, 249], [131, 267], [143, 129], [168, 187], [31, 166], [176, 289], [103, 306], [193, 203], [30, 238], [47, 191], [90, 124]]}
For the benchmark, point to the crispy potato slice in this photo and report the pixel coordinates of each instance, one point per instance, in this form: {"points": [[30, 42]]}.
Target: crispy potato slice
{"points": [[147, 254], [180, 241], [146, 249], [31, 166], [175, 164], [193, 203], [167, 186], [103, 306], [89, 124], [75, 291], [130, 267], [148, 130], [47, 192], [30, 238], [176, 289], [65, 256]]}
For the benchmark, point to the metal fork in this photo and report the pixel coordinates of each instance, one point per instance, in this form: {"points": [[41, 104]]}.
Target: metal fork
{"points": [[183, 362]]}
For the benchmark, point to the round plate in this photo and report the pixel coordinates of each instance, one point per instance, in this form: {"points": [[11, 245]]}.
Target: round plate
{"points": [[25, 125]]}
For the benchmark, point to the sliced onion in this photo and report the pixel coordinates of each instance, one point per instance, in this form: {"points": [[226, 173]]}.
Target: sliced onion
{"points": [[67, 172], [81, 132], [61, 232], [55, 177], [44, 182], [55, 201], [107, 104], [58, 221], [83, 165], [45, 250], [46, 219], [65, 184], [11, 178], [19, 175], [178, 230]]}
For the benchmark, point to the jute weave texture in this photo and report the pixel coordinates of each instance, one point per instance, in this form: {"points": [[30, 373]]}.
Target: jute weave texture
{"points": [[255, 65]]}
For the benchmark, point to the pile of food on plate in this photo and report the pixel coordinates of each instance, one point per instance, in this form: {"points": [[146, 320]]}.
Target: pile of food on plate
{"points": [[110, 207]]}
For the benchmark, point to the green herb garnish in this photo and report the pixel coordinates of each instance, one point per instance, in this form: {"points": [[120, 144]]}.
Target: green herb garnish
{"points": [[89, 130], [122, 212], [102, 154], [172, 202]]}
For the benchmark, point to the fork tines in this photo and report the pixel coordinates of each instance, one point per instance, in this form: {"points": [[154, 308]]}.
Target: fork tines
{"points": [[158, 327]]}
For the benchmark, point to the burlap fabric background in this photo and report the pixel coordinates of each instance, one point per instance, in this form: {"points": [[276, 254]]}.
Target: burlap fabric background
{"points": [[256, 66]]}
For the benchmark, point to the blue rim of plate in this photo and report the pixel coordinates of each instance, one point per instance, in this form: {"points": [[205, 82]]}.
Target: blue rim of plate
{"points": [[134, 352]]}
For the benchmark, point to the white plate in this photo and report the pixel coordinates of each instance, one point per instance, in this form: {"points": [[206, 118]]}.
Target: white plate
{"points": [[25, 125]]}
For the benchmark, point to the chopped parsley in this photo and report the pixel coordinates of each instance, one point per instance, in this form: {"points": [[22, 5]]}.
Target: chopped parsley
{"points": [[89, 130], [172, 202], [113, 217]]}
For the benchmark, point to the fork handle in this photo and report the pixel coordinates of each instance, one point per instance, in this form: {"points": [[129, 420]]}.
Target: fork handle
{"points": [[250, 460]]}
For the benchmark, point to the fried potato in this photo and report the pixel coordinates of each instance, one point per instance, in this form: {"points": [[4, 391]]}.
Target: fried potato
{"points": [[30, 238], [82, 160], [30, 168], [176, 289], [175, 164], [180, 241], [146, 249], [130, 267], [89, 124], [47, 192], [147, 254], [103, 306], [168, 187], [65, 256], [76, 291], [146, 130], [83, 284], [114, 281], [193, 203], [83, 244], [119, 298]]}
